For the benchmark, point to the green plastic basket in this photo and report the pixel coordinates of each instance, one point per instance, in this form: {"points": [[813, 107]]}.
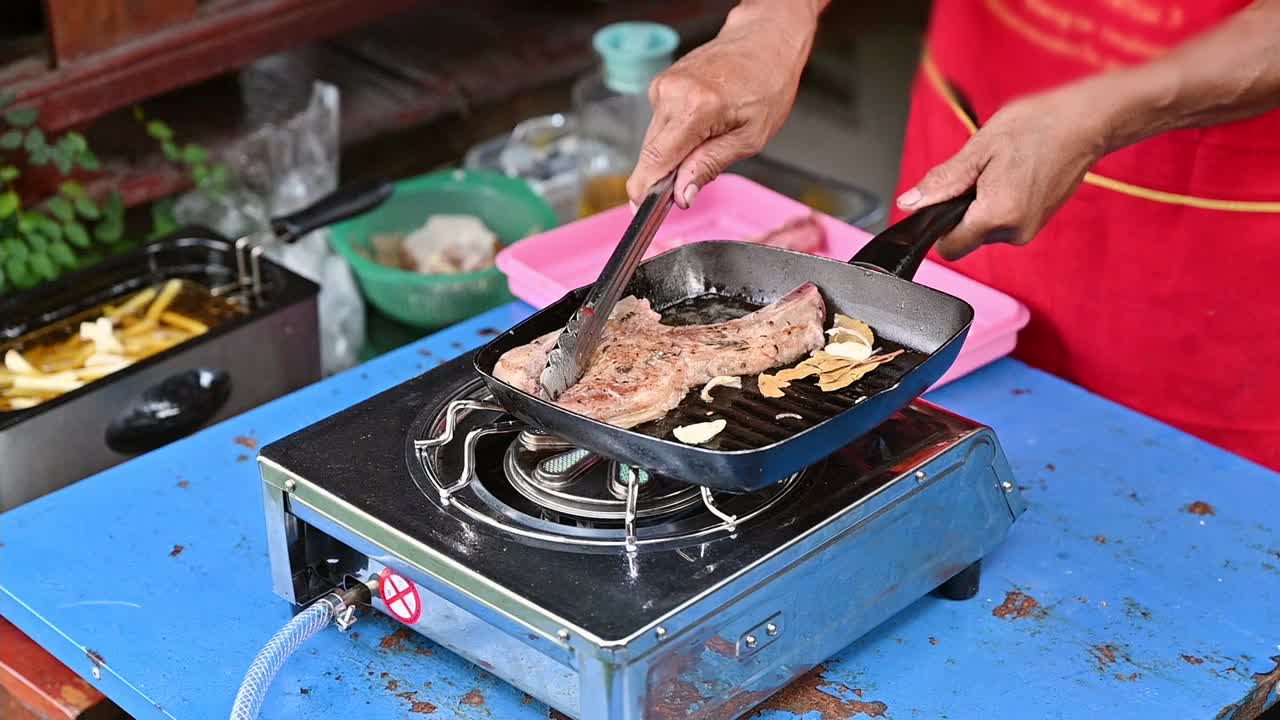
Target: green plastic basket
{"points": [[507, 205]]}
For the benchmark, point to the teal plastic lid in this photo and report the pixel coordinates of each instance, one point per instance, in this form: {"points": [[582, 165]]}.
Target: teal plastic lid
{"points": [[633, 53]]}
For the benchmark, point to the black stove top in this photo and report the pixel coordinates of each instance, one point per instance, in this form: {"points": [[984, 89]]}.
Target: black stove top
{"points": [[363, 457]]}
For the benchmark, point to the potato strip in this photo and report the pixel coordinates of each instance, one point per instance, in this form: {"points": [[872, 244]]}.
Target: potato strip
{"points": [[170, 291]]}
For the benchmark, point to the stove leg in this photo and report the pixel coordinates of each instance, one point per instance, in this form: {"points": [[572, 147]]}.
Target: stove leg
{"points": [[963, 585]]}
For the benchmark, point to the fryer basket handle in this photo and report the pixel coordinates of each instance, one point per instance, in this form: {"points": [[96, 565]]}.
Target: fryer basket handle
{"points": [[345, 202], [900, 248]]}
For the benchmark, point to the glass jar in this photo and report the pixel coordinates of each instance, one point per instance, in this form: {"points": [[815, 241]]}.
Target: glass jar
{"points": [[612, 108]]}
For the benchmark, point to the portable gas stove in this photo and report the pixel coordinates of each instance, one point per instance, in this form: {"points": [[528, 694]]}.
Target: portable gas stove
{"points": [[608, 593]]}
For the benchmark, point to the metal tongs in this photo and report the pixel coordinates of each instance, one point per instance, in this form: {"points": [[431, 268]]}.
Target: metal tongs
{"points": [[568, 360]]}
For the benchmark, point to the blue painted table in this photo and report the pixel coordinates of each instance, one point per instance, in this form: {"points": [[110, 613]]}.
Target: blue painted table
{"points": [[1143, 582]]}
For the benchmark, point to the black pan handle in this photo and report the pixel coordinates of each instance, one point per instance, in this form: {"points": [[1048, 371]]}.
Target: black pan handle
{"points": [[345, 202], [900, 248]]}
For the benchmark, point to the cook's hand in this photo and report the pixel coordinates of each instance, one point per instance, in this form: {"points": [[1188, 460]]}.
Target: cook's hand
{"points": [[724, 100], [1025, 162]]}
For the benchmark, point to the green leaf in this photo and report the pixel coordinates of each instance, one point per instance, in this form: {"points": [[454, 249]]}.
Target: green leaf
{"points": [[76, 141], [71, 189], [113, 206], [87, 208], [11, 140], [4, 282], [35, 140], [218, 176], [108, 231], [35, 222], [39, 157], [159, 131], [9, 173], [36, 242], [9, 204], [89, 161], [43, 266], [200, 174], [194, 154], [171, 151], [20, 273], [61, 209], [62, 254], [162, 220], [6, 98], [22, 117], [76, 234], [63, 161], [15, 248]]}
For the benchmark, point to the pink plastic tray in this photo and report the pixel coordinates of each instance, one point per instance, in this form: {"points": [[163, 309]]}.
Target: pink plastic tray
{"points": [[542, 268]]}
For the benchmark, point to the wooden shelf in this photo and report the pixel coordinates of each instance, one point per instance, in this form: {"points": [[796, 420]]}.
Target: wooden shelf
{"points": [[417, 89], [220, 36]]}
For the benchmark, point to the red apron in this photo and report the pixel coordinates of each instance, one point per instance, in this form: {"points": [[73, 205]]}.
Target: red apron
{"points": [[1158, 284]]}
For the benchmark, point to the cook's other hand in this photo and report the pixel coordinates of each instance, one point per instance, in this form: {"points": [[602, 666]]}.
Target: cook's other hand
{"points": [[722, 102], [1025, 162], [1029, 157]]}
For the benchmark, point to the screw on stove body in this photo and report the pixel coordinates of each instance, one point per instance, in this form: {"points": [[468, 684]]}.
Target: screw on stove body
{"points": [[563, 635], [920, 476], [290, 485], [771, 629], [96, 672], [751, 641], [660, 633], [1008, 486]]}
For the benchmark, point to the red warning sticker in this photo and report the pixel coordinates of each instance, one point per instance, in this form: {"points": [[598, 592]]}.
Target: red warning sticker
{"points": [[401, 597]]}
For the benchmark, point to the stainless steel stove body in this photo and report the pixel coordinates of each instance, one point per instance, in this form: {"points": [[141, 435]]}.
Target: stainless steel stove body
{"points": [[612, 595]]}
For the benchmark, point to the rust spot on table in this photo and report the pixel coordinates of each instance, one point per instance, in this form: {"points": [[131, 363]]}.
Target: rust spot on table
{"points": [[1100, 539], [473, 698], [1050, 467], [95, 657], [395, 639], [1135, 610], [805, 695], [553, 714], [1104, 654], [933, 640], [1200, 507], [1192, 660], [245, 441], [416, 706], [424, 352], [392, 685], [241, 458], [1127, 678], [1020, 391], [184, 484], [177, 550], [488, 332], [1018, 605]]}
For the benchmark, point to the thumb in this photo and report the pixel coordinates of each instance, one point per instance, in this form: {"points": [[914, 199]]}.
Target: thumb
{"points": [[706, 162], [948, 180]]}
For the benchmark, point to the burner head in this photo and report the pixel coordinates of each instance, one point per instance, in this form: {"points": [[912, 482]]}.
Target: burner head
{"points": [[480, 462], [575, 486]]}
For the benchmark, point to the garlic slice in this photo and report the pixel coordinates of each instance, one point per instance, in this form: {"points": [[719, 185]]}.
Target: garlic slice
{"points": [[698, 433], [717, 381], [15, 363], [853, 350]]}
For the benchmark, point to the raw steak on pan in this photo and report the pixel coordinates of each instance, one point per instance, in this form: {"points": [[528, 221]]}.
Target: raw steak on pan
{"points": [[643, 368]]}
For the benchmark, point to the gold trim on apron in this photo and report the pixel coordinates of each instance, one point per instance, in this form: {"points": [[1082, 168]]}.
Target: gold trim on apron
{"points": [[1243, 206]]}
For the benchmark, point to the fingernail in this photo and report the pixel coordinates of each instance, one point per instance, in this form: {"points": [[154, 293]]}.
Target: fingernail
{"points": [[634, 207], [690, 193], [909, 198]]}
